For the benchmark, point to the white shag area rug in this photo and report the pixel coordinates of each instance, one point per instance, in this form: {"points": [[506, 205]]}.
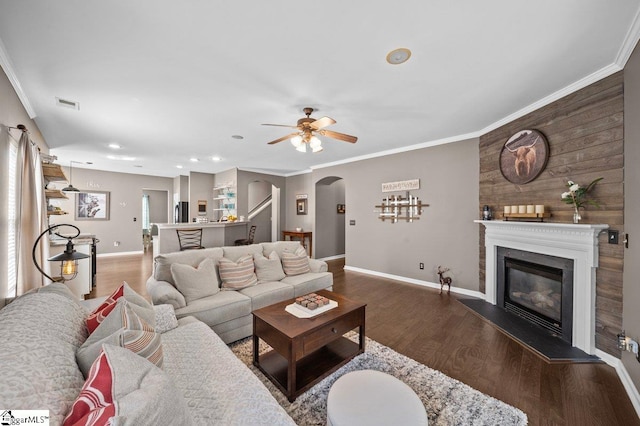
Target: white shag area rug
{"points": [[447, 401]]}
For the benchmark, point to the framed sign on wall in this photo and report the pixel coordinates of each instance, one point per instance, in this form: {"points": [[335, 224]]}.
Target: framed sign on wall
{"points": [[524, 156]]}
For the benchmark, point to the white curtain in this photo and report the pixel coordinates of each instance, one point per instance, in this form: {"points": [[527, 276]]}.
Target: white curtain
{"points": [[31, 218]]}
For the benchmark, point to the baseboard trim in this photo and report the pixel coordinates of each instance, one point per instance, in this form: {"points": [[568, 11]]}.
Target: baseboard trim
{"points": [[423, 283], [121, 253], [337, 256], [624, 376]]}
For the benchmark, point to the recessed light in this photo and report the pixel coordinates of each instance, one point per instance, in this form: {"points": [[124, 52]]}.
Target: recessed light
{"points": [[216, 158], [179, 166], [237, 137], [194, 159], [121, 158], [114, 146], [398, 56]]}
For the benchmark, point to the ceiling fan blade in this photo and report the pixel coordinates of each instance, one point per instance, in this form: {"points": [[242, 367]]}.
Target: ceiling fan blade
{"points": [[284, 138], [280, 125], [321, 123], [339, 136]]}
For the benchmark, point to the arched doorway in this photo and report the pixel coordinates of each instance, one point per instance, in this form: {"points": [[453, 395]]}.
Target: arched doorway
{"points": [[329, 235]]}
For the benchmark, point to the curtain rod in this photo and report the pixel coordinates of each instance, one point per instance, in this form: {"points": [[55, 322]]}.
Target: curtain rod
{"points": [[19, 127]]}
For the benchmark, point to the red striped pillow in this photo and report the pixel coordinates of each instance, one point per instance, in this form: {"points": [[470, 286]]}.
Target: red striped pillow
{"points": [[237, 275], [295, 263]]}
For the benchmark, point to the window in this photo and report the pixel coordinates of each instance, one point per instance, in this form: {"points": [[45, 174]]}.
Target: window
{"points": [[12, 208]]}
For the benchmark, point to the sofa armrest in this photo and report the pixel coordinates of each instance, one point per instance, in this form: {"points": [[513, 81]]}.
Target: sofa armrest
{"points": [[318, 265], [162, 292]]}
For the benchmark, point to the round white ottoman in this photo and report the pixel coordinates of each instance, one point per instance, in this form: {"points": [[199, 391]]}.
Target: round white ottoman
{"points": [[369, 397]]}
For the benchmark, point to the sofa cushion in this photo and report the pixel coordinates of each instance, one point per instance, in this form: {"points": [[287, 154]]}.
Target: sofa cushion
{"points": [[196, 283], [165, 318], [138, 304], [237, 275], [268, 268], [40, 333], [127, 389], [236, 252], [163, 262], [122, 327], [218, 308], [308, 283], [265, 294], [295, 263]]}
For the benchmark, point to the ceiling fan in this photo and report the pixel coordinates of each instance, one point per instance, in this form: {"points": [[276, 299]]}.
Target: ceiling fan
{"points": [[307, 129]]}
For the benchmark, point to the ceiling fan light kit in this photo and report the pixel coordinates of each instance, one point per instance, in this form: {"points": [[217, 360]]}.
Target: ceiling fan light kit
{"points": [[307, 129]]}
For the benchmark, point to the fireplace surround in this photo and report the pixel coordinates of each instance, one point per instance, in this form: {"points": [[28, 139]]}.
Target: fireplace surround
{"points": [[576, 242]]}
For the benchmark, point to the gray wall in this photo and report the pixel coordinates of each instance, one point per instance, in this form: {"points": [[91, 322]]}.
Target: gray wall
{"points": [[180, 189], [12, 113], [299, 184], [126, 204], [244, 179], [201, 188], [631, 288], [444, 235], [330, 225]]}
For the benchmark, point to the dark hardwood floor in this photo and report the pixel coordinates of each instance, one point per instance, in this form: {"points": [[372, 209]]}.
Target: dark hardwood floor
{"points": [[440, 332]]}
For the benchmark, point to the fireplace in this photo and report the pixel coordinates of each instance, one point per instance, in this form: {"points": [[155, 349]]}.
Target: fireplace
{"points": [[577, 242], [538, 288]]}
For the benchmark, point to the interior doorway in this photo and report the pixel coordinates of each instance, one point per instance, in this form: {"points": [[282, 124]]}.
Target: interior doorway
{"points": [[155, 209], [264, 210], [330, 213]]}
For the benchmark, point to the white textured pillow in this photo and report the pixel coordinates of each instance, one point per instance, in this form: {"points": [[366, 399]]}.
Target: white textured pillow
{"points": [[196, 283], [237, 275], [295, 263], [268, 268], [165, 318]]}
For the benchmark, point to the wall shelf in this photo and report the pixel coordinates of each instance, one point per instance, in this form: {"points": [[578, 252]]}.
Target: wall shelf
{"points": [[55, 193], [53, 172], [395, 208]]}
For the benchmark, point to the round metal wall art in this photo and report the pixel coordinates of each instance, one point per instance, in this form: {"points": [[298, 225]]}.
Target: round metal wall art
{"points": [[524, 156]]}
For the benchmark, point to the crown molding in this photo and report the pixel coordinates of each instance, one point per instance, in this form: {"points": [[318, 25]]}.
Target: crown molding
{"points": [[630, 42], [7, 66]]}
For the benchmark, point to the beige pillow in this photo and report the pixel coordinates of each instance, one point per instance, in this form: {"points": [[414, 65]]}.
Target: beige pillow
{"points": [[295, 263], [268, 269], [237, 275], [196, 283], [122, 327]]}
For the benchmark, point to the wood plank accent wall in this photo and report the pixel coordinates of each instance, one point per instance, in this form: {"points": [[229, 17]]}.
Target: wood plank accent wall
{"points": [[586, 141]]}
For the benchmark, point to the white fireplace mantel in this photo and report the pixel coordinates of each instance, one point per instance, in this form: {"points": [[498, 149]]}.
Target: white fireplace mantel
{"points": [[570, 241]]}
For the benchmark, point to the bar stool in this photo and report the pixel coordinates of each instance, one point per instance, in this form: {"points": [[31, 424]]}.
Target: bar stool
{"points": [[249, 240], [190, 239]]}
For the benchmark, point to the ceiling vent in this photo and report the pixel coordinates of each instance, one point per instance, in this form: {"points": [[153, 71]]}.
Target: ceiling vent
{"points": [[67, 103]]}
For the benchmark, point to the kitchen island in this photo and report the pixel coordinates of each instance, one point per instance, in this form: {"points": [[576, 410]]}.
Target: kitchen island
{"points": [[214, 234]]}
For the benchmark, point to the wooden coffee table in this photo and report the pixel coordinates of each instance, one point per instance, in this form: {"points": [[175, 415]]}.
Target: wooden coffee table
{"points": [[306, 350]]}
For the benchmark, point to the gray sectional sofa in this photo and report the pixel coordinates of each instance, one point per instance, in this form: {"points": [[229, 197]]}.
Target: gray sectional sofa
{"points": [[228, 313]]}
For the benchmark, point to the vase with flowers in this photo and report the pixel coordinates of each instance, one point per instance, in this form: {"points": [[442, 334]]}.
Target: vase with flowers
{"points": [[577, 197]]}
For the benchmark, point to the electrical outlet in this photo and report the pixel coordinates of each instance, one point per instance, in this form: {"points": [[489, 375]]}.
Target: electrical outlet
{"points": [[421, 265], [116, 243], [613, 236]]}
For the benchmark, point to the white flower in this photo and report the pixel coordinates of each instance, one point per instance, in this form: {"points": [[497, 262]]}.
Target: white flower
{"points": [[566, 195], [574, 187], [570, 183]]}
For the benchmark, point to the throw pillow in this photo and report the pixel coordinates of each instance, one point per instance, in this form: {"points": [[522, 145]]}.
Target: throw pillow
{"points": [[122, 327], [268, 269], [295, 263], [140, 305], [123, 388], [165, 318], [196, 283], [237, 275]]}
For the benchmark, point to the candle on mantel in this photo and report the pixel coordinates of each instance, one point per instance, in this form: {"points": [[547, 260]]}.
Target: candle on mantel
{"points": [[522, 209], [530, 208], [514, 209], [540, 208], [507, 209]]}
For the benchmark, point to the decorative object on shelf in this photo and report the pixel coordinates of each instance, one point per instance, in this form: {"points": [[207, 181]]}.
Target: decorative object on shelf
{"points": [[340, 209], [403, 185], [394, 207], [524, 156], [92, 205], [444, 280], [532, 212], [68, 258], [577, 197], [486, 213], [225, 196]]}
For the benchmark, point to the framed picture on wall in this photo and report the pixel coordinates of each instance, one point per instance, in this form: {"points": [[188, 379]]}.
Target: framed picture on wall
{"points": [[524, 156], [340, 208], [92, 205], [301, 206]]}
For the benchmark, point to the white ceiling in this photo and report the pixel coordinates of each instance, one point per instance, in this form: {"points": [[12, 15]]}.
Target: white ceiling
{"points": [[171, 80]]}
